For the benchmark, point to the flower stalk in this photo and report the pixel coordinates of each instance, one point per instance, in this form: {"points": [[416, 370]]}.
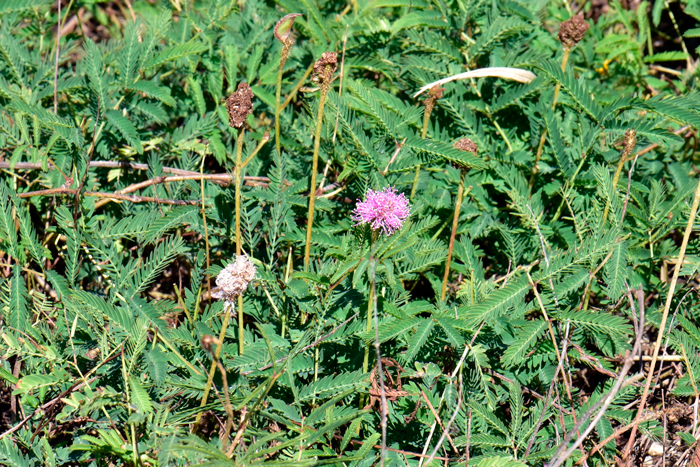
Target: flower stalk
{"points": [[385, 212], [372, 302], [283, 30], [323, 75], [464, 144], [629, 142], [239, 166], [234, 279], [434, 94], [571, 32]]}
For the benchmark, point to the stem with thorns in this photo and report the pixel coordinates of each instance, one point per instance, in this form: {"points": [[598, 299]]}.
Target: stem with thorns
{"points": [[314, 168], [664, 317], [455, 223]]}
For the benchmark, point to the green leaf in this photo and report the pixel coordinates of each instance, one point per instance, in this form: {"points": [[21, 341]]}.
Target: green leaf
{"points": [[666, 57], [615, 271], [197, 95], [126, 128], [29, 383], [419, 18], [525, 339], [332, 385], [418, 339], [152, 90], [10, 6], [19, 315], [139, 396], [175, 52], [445, 152], [575, 88]]}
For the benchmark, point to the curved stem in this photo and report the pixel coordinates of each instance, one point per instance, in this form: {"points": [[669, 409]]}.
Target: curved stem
{"points": [[314, 169]]}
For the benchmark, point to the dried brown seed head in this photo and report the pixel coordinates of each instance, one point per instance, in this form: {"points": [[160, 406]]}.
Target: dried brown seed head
{"points": [[465, 144], [239, 105], [630, 141], [572, 31], [325, 68]]}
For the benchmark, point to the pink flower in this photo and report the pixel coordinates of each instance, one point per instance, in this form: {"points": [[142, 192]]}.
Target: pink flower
{"points": [[386, 210]]}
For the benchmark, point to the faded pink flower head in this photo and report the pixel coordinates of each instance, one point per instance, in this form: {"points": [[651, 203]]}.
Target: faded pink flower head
{"points": [[233, 280], [386, 210]]}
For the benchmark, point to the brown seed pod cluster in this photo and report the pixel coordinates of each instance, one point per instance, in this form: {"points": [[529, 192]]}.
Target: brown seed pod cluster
{"points": [[465, 144], [572, 31], [239, 105], [325, 68]]}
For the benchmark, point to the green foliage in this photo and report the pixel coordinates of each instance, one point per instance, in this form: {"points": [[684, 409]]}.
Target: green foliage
{"points": [[117, 212]]}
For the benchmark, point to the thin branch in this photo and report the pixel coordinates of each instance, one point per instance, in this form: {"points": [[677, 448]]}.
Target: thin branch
{"points": [[445, 432], [442, 398], [559, 458], [437, 418], [111, 196], [560, 368]]}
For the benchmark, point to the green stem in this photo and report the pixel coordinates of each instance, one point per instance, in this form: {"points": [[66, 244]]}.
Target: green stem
{"points": [[502, 133], [314, 169], [455, 223], [370, 304], [415, 181]]}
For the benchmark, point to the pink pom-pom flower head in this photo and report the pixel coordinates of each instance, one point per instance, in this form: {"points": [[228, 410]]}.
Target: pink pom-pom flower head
{"points": [[386, 210]]}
